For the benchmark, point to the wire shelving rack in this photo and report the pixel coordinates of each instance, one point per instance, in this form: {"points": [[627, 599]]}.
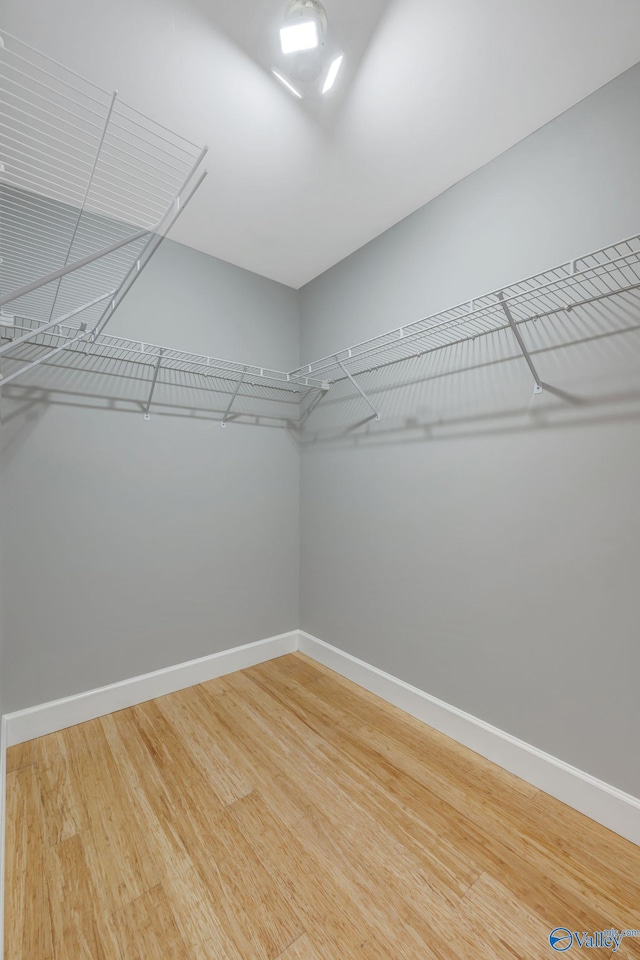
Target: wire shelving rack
{"points": [[89, 187], [605, 273], [38, 343]]}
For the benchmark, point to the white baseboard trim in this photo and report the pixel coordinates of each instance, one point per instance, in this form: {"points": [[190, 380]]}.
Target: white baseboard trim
{"points": [[3, 800], [59, 714], [598, 800]]}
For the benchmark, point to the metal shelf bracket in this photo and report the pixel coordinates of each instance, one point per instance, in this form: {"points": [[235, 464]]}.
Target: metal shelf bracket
{"points": [[537, 389], [147, 415], [360, 390], [233, 398], [322, 389]]}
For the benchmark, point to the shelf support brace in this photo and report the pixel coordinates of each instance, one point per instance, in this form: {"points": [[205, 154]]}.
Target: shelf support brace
{"points": [[86, 196], [359, 389], [147, 415], [156, 236], [76, 265], [322, 392], [82, 334], [525, 353], [233, 398], [53, 323]]}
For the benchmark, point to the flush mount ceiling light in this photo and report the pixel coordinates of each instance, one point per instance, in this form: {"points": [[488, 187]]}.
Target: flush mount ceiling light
{"points": [[305, 22], [309, 60], [299, 36]]}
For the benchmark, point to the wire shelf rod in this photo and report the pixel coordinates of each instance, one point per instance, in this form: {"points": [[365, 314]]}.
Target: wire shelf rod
{"points": [[18, 199], [14, 164], [147, 353], [76, 265], [48, 160], [111, 204], [70, 72], [212, 382], [103, 196], [46, 123], [26, 235], [172, 213], [85, 287], [32, 228], [51, 103], [82, 172], [41, 175], [512, 295], [84, 143], [50, 87], [33, 144], [53, 257], [107, 176], [214, 369], [35, 363], [109, 274], [18, 238], [157, 136], [50, 139], [112, 181], [497, 329], [389, 356], [159, 126], [33, 65], [171, 185], [153, 156], [31, 185], [127, 160], [95, 227], [57, 322], [155, 205], [13, 181]]}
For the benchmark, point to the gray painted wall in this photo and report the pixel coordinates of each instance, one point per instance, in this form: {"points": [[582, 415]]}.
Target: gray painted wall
{"points": [[476, 545], [128, 546], [479, 545]]}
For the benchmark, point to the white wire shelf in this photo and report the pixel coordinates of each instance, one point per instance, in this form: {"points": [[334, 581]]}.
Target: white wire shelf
{"points": [[72, 337], [81, 172], [88, 189], [606, 273]]}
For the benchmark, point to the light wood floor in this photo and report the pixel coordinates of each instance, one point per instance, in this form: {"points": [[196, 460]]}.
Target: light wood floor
{"points": [[282, 812]]}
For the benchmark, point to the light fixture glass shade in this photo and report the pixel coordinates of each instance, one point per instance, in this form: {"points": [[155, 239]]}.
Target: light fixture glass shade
{"points": [[300, 35], [332, 73]]}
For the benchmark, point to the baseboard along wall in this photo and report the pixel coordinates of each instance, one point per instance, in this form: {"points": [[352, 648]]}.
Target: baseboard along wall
{"points": [[3, 794], [596, 799], [613, 808], [58, 714]]}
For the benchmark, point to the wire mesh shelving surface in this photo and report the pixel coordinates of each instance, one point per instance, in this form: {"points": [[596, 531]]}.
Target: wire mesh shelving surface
{"points": [[64, 336], [80, 171], [608, 272]]}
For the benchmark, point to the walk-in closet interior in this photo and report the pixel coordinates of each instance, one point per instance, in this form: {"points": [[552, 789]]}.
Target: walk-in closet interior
{"points": [[319, 479]]}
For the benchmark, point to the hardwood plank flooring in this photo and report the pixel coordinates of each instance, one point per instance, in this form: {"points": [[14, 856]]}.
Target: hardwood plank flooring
{"points": [[283, 813]]}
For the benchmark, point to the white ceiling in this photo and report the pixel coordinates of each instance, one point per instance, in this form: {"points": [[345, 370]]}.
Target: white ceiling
{"points": [[432, 89]]}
